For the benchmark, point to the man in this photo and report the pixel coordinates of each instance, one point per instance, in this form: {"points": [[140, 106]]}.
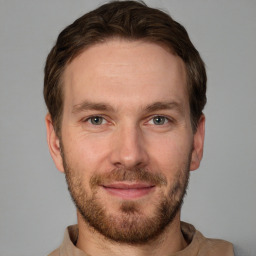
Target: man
{"points": [[125, 89]]}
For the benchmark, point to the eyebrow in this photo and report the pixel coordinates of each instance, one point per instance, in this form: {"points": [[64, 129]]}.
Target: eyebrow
{"points": [[87, 105], [164, 106]]}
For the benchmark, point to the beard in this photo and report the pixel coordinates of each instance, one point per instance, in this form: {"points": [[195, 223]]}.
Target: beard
{"points": [[129, 225]]}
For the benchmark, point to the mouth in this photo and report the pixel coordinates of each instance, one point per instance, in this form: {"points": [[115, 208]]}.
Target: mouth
{"points": [[129, 191]]}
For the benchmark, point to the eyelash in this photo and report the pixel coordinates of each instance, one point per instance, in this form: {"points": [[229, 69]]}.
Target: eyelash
{"points": [[167, 119], [91, 117]]}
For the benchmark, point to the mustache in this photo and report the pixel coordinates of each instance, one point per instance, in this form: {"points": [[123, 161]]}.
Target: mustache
{"points": [[123, 174]]}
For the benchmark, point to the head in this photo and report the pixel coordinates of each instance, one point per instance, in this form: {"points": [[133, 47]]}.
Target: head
{"points": [[131, 21], [125, 89]]}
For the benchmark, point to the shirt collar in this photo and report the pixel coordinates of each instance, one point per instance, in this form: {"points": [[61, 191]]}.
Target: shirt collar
{"points": [[191, 235]]}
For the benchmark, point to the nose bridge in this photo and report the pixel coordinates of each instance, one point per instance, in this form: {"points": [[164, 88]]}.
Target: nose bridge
{"points": [[128, 147]]}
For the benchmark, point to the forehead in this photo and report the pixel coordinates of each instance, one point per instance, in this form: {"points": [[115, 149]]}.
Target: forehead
{"points": [[125, 71]]}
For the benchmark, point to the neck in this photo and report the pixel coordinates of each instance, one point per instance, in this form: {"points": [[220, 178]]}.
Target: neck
{"points": [[93, 243]]}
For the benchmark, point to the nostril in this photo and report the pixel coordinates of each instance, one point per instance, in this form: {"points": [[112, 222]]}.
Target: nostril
{"points": [[118, 165]]}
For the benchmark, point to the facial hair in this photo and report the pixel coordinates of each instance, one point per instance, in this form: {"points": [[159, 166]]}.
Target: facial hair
{"points": [[129, 225]]}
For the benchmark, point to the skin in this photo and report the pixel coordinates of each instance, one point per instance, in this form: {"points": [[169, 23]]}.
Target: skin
{"points": [[129, 78]]}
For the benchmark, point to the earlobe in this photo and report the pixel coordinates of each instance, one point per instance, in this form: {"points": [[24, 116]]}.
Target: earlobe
{"points": [[198, 144], [53, 143]]}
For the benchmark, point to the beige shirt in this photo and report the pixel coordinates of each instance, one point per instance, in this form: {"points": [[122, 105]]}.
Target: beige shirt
{"points": [[198, 246]]}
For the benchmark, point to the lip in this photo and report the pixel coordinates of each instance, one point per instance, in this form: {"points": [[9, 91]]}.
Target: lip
{"points": [[129, 191]]}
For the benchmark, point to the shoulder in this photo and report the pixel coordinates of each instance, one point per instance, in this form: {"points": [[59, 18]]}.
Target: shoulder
{"points": [[201, 246], [56, 252], [210, 247]]}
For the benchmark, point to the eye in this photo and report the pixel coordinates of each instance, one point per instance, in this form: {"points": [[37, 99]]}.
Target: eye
{"points": [[159, 120], [96, 120]]}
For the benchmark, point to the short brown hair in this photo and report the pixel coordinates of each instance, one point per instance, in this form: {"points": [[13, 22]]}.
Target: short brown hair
{"points": [[129, 20]]}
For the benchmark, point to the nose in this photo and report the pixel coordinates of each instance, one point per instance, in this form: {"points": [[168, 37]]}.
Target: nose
{"points": [[128, 148]]}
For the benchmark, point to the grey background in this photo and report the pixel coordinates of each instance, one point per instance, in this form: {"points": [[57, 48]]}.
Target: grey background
{"points": [[35, 204]]}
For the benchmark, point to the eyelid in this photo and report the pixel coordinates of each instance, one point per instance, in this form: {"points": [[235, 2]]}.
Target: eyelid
{"points": [[159, 115], [86, 119], [168, 120], [149, 118]]}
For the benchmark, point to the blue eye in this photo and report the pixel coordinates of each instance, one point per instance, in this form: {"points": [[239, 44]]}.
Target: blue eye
{"points": [[159, 120], [96, 120]]}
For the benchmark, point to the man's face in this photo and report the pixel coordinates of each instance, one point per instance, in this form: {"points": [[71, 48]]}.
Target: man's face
{"points": [[126, 139]]}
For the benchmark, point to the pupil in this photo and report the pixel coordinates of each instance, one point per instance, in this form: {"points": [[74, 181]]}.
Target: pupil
{"points": [[96, 120], [158, 120]]}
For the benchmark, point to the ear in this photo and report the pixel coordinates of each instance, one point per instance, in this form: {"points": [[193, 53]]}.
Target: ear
{"points": [[53, 143], [198, 144]]}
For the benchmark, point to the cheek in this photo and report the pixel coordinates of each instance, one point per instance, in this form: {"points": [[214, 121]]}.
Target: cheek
{"points": [[169, 153], [86, 153]]}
